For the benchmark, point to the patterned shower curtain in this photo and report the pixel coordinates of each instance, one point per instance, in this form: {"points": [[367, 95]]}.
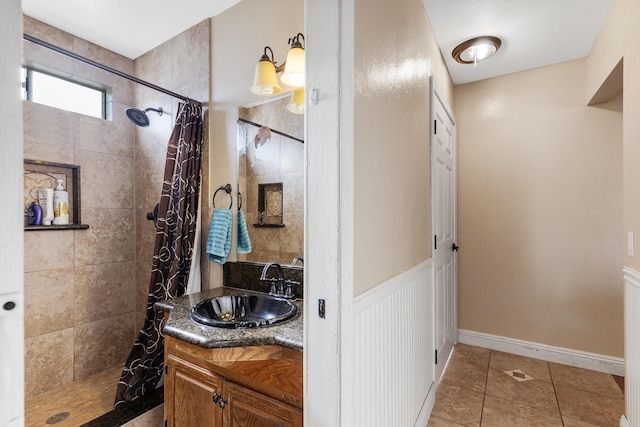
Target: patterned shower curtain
{"points": [[175, 235]]}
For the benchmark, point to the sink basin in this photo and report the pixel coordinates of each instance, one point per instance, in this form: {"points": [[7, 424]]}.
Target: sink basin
{"points": [[243, 311]]}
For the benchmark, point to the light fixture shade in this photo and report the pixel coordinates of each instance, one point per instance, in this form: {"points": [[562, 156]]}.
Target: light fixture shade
{"points": [[296, 105], [476, 50], [294, 67], [265, 81]]}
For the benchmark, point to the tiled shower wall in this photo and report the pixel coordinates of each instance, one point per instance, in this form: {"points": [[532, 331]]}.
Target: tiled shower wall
{"points": [[85, 290], [181, 65], [79, 316]]}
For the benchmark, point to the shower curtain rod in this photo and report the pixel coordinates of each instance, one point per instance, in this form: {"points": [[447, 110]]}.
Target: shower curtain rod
{"points": [[104, 67], [258, 125]]}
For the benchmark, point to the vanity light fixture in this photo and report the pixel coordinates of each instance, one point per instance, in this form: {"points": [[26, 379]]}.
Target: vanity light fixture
{"points": [[476, 50], [296, 105], [265, 81]]}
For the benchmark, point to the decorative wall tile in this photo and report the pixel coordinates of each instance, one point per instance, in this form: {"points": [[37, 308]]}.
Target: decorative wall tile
{"points": [[103, 290], [41, 315]]}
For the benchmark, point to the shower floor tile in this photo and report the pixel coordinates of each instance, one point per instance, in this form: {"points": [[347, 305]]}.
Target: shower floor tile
{"points": [[84, 400]]}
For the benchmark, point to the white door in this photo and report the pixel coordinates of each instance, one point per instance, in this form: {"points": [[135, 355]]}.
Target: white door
{"points": [[443, 207], [11, 243]]}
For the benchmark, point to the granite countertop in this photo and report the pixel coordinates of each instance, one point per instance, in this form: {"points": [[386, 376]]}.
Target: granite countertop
{"points": [[180, 325]]}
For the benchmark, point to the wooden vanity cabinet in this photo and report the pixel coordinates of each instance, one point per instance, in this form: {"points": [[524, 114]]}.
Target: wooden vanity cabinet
{"points": [[251, 409], [188, 395], [239, 387]]}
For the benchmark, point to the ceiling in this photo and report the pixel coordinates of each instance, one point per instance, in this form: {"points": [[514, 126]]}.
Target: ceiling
{"points": [[128, 27], [534, 33]]}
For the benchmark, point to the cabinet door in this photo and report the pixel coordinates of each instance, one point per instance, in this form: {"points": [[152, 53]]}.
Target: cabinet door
{"points": [[246, 408], [189, 392]]}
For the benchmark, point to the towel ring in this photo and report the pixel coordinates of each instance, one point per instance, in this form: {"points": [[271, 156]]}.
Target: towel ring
{"points": [[227, 189], [239, 200]]}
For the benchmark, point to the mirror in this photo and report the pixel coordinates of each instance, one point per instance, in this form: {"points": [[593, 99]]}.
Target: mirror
{"points": [[271, 180]]}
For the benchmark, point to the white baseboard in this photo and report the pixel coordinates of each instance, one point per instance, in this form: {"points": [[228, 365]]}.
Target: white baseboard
{"points": [[624, 422], [427, 407], [565, 356]]}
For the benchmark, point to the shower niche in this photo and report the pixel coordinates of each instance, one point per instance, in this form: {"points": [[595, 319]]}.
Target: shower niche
{"points": [[41, 175], [270, 207]]}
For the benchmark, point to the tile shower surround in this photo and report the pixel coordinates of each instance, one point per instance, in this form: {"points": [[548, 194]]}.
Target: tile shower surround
{"points": [[90, 274]]}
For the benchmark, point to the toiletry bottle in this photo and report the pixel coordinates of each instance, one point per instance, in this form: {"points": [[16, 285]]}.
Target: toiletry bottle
{"points": [[34, 214], [60, 205], [45, 199]]}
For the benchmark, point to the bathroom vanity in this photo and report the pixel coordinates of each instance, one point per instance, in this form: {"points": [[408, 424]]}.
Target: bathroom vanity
{"points": [[231, 377]]}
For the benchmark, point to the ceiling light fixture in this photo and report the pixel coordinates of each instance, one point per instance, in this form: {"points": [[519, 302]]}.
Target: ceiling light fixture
{"points": [[476, 50], [265, 81]]}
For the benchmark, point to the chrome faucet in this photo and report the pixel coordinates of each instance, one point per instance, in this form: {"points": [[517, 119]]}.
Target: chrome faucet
{"points": [[296, 259], [277, 285]]}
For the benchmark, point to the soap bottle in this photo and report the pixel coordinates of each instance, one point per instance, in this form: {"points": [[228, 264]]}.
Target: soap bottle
{"points": [[45, 198], [34, 214], [60, 205]]}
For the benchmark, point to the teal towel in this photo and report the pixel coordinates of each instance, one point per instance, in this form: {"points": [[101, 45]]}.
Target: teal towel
{"points": [[244, 244], [219, 239]]}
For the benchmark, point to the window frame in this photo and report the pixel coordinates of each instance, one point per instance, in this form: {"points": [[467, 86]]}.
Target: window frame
{"points": [[28, 88]]}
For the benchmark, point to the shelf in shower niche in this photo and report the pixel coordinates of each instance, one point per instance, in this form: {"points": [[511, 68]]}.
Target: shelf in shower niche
{"points": [[39, 175], [269, 225], [56, 227]]}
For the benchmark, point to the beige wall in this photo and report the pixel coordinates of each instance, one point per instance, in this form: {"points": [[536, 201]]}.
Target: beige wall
{"points": [[79, 285], [239, 36], [539, 211], [618, 39], [395, 54]]}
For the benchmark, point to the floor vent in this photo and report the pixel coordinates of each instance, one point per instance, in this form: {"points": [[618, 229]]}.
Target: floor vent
{"points": [[60, 416]]}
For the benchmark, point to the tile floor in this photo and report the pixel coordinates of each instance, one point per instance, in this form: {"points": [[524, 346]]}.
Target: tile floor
{"points": [[482, 387], [89, 402]]}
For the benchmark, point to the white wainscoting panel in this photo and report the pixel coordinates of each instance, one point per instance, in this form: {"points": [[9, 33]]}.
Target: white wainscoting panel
{"points": [[632, 347], [393, 343]]}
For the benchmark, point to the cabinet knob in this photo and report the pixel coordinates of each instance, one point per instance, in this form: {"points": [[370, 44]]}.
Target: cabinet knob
{"points": [[216, 397], [222, 403]]}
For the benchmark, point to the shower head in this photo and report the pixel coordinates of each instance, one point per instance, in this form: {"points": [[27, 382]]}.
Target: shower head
{"points": [[140, 117]]}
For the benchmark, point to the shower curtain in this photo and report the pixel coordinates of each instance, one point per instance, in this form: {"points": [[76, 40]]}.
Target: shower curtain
{"points": [[175, 235]]}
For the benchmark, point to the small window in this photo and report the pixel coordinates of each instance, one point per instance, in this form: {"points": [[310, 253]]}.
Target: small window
{"points": [[63, 93]]}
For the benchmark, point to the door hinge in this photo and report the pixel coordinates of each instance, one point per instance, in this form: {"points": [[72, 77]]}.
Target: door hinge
{"points": [[166, 369], [435, 127], [165, 423], [321, 308], [436, 357], [435, 242]]}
